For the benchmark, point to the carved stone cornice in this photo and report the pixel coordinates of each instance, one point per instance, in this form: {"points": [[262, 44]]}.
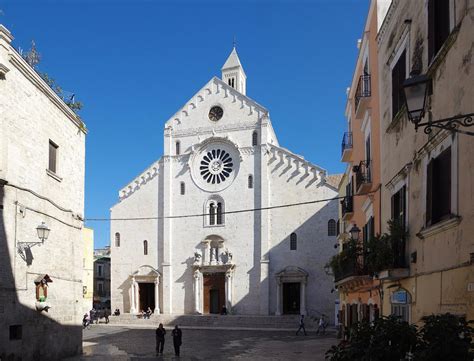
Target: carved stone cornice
{"points": [[146, 176], [216, 129]]}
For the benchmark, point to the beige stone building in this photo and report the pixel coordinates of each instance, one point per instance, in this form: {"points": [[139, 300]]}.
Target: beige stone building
{"points": [[427, 179], [42, 152]]}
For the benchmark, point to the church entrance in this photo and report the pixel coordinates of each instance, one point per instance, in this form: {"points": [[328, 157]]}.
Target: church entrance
{"points": [[214, 292], [291, 298], [147, 296]]}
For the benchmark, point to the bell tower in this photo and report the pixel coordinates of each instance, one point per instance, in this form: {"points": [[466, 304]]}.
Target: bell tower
{"points": [[233, 73]]}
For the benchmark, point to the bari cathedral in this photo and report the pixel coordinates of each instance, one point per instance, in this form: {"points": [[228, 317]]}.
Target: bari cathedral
{"points": [[215, 223]]}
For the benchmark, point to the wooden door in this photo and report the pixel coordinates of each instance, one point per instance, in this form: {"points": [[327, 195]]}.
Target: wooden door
{"points": [[214, 292]]}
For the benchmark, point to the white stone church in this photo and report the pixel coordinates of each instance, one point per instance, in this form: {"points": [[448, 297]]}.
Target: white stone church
{"points": [[211, 227]]}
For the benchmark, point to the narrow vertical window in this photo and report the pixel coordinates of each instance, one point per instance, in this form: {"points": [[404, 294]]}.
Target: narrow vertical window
{"points": [[212, 214], [117, 239], [182, 188], [230, 82], [233, 85], [254, 138], [398, 77], [219, 213], [293, 240], [250, 181], [53, 153], [145, 247], [178, 147], [438, 188], [438, 26], [331, 227]]}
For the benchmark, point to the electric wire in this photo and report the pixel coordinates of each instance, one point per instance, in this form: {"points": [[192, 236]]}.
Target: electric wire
{"points": [[86, 219]]}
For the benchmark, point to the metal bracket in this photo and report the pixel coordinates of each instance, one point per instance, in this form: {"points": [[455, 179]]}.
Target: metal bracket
{"points": [[24, 250], [452, 124]]}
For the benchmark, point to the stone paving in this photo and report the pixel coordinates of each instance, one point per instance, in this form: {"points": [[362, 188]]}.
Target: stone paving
{"points": [[130, 343]]}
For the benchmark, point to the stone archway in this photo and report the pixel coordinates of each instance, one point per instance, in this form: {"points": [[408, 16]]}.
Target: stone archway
{"points": [[291, 289], [144, 290]]}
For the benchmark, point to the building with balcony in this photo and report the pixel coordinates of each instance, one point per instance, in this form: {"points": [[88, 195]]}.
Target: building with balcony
{"points": [[102, 278], [427, 177], [360, 187]]}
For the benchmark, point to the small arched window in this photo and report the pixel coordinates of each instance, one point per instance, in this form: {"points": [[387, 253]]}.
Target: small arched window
{"points": [[219, 213], [254, 138], [233, 85], [212, 214], [145, 247], [182, 188], [250, 181], [178, 147], [331, 227], [230, 82], [117, 239], [293, 240]]}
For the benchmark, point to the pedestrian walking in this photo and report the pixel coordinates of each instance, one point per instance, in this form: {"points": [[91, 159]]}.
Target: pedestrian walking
{"points": [[177, 339], [160, 339], [301, 326], [321, 325]]}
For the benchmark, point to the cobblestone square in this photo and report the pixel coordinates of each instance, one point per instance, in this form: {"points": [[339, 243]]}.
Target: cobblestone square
{"points": [[126, 343]]}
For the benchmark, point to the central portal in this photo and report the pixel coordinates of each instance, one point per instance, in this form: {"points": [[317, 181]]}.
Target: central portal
{"points": [[214, 292], [291, 298], [147, 296]]}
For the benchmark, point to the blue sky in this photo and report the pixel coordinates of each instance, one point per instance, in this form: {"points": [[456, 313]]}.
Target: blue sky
{"points": [[135, 63]]}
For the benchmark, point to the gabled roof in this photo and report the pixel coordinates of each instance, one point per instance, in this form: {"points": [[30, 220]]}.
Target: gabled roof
{"points": [[232, 61]]}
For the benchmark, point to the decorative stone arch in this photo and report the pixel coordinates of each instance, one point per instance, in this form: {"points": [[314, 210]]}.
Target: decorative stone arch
{"points": [[214, 200], [291, 274], [144, 274]]}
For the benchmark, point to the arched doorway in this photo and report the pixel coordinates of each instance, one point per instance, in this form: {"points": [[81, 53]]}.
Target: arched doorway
{"points": [[144, 290], [291, 291]]}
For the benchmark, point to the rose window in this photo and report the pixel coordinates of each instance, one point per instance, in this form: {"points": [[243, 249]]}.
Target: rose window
{"points": [[216, 166]]}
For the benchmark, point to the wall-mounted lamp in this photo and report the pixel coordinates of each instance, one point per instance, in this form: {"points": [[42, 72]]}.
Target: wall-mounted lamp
{"points": [[24, 248]]}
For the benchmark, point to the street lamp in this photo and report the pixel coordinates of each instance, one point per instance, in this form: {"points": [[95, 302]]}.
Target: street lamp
{"points": [[417, 89], [355, 231], [43, 232]]}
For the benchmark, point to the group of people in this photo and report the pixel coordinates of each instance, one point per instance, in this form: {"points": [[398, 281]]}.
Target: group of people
{"points": [[160, 339], [322, 324], [94, 315], [146, 314]]}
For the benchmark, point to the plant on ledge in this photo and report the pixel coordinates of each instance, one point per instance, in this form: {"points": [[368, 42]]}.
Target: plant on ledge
{"points": [[346, 260], [386, 251]]}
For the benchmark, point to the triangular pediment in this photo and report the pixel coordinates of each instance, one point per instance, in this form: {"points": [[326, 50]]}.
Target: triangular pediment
{"points": [[216, 92]]}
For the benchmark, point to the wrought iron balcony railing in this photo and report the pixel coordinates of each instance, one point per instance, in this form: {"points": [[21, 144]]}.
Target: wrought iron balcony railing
{"points": [[347, 205], [363, 89], [346, 142], [351, 267], [363, 173]]}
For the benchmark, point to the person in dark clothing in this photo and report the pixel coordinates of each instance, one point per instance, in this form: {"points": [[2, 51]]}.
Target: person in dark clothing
{"points": [[177, 334], [160, 339], [224, 310], [301, 326]]}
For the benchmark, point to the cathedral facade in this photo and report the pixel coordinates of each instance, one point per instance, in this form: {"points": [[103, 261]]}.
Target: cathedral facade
{"points": [[217, 220]]}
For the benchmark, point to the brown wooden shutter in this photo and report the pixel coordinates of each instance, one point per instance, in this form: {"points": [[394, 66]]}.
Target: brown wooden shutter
{"points": [[429, 192], [442, 180], [403, 207]]}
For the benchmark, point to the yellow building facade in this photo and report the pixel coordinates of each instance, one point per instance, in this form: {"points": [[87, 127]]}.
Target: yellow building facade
{"points": [[88, 269]]}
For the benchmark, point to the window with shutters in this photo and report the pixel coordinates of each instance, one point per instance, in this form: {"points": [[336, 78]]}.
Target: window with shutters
{"points": [[331, 227], [250, 181], [438, 26], [254, 138], [438, 188], [368, 231], [182, 188], [53, 156], [399, 206], [145, 247], [117, 239], [398, 78], [293, 240]]}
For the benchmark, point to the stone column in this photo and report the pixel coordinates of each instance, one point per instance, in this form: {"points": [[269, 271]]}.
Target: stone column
{"points": [[278, 298], [197, 292], [303, 298], [133, 308], [157, 296], [206, 258], [228, 291], [137, 297]]}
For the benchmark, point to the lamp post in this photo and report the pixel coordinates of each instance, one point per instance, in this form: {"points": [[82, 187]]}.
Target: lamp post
{"points": [[355, 232], [417, 89], [43, 232]]}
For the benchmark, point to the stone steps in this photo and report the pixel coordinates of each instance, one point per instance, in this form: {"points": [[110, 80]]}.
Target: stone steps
{"points": [[218, 321]]}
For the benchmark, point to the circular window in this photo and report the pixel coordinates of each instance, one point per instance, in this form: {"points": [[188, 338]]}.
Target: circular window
{"points": [[216, 113], [216, 166]]}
